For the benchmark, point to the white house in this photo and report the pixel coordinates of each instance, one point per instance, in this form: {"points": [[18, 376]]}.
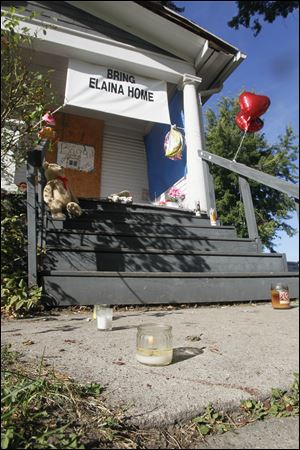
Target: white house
{"points": [[124, 72]]}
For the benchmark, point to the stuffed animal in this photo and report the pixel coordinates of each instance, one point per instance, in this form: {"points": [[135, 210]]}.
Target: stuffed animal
{"points": [[121, 197], [57, 192], [47, 133]]}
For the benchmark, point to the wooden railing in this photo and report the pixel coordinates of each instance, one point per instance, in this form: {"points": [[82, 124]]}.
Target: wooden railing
{"points": [[245, 173]]}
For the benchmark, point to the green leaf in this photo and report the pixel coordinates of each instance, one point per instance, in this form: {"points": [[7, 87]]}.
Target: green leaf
{"points": [[248, 404], [203, 429], [274, 409], [277, 393]]}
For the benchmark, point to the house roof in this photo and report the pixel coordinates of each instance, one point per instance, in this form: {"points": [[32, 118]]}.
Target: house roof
{"points": [[213, 59], [141, 26], [169, 14]]}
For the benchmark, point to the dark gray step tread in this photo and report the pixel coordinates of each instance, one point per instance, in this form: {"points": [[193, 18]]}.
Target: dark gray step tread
{"points": [[221, 227], [106, 249], [111, 206], [134, 215], [171, 212], [139, 218], [152, 235], [93, 273]]}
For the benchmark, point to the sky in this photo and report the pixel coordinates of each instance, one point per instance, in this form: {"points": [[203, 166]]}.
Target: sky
{"points": [[271, 68]]}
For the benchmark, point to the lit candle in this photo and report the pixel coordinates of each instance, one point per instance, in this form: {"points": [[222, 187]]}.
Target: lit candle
{"points": [[150, 340], [154, 345]]}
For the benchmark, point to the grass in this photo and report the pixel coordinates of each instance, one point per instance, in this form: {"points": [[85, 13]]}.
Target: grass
{"points": [[42, 408]]}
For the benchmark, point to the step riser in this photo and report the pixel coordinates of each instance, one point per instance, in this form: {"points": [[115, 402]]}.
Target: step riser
{"points": [[157, 242], [140, 291], [176, 230], [143, 218], [133, 262]]}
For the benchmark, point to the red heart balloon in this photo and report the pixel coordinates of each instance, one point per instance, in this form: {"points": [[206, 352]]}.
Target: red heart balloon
{"points": [[253, 105], [245, 123]]}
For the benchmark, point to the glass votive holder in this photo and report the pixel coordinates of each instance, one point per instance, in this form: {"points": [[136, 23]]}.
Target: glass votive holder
{"points": [[104, 315], [280, 296], [154, 344]]}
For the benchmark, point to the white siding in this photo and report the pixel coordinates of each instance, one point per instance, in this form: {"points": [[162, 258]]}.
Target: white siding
{"points": [[124, 164]]}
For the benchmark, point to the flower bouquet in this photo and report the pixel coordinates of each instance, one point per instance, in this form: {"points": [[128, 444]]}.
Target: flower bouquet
{"points": [[175, 196]]}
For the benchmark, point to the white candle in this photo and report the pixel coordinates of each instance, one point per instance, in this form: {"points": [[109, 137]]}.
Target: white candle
{"points": [[104, 323], [154, 357]]}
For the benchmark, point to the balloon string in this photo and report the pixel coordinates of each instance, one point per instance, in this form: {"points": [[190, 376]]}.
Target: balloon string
{"points": [[237, 152], [57, 109]]}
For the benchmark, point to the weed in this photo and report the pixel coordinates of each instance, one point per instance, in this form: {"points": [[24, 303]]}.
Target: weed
{"points": [[212, 421], [279, 404]]}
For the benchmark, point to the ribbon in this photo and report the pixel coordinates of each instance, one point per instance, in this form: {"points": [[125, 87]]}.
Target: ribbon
{"points": [[64, 180]]}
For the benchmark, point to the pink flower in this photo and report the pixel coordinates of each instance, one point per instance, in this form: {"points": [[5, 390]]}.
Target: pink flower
{"points": [[176, 194], [49, 119]]}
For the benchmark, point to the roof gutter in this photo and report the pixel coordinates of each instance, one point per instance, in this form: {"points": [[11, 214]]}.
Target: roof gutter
{"points": [[209, 92], [172, 16]]}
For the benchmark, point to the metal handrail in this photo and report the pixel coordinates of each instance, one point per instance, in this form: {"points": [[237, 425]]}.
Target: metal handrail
{"points": [[253, 174]]}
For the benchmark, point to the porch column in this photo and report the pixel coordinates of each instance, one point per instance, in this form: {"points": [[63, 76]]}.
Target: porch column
{"points": [[197, 191]]}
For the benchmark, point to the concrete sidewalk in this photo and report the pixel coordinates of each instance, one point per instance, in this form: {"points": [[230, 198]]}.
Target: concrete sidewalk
{"points": [[244, 352]]}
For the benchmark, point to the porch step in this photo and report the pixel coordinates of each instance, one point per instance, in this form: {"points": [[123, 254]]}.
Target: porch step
{"points": [[105, 205], [75, 238], [153, 260], [142, 217], [146, 228], [121, 288]]}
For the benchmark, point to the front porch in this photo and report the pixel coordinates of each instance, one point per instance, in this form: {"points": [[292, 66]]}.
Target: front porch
{"points": [[145, 254]]}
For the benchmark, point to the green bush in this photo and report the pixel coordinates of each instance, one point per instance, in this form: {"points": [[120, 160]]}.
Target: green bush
{"points": [[16, 298]]}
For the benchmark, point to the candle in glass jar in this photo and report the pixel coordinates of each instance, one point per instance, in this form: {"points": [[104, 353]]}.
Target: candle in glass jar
{"points": [[104, 323], [280, 296], [154, 345], [104, 317]]}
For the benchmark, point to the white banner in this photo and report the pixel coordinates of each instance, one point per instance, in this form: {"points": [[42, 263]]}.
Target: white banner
{"points": [[116, 92]]}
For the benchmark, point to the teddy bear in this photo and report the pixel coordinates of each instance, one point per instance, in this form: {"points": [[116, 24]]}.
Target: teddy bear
{"points": [[57, 192], [121, 197]]}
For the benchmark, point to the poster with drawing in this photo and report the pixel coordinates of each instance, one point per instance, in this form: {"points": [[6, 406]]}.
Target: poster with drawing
{"points": [[76, 156]]}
